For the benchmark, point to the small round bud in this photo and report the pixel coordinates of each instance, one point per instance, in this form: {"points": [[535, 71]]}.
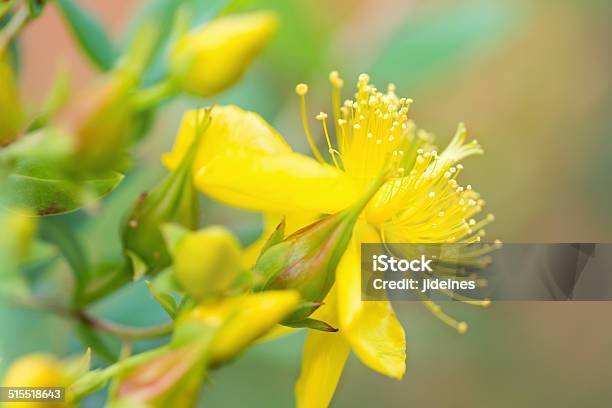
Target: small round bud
{"points": [[207, 262]]}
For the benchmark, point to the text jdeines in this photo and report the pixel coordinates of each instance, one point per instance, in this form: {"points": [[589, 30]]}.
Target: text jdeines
{"points": [[386, 263]]}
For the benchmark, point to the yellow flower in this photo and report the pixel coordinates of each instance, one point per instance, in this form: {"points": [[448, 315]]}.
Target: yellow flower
{"points": [[214, 56], [243, 162], [36, 370], [207, 262]]}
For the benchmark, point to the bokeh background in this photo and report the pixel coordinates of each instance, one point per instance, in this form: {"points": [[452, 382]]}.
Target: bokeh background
{"points": [[533, 82]]}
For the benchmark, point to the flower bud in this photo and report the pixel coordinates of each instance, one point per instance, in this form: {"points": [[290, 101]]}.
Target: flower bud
{"points": [[307, 259], [207, 262], [101, 121], [36, 370], [239, 321], [170, 379], [214, 56], [173, 200], [11, 113]]}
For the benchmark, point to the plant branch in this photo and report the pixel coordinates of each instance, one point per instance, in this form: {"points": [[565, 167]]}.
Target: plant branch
{"points": [[114, 329], [147, 98]]}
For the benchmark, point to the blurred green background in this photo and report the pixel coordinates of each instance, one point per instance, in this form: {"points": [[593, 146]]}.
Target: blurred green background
{"points": [[532, 81]]}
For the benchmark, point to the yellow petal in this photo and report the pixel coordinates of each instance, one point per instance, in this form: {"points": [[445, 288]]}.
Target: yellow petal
{"points": [[231, 129], [370, 327], [243, 162], [323, 361]]}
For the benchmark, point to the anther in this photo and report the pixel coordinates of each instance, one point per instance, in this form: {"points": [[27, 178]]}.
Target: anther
{"points": [[301, 89], [335, 79]]}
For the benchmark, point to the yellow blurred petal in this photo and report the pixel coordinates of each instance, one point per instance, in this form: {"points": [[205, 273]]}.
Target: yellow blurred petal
{"points": [[323, 361], [36, 370], [11, 114], [214, 56], [243, 320], [370, 327], [243, 162], [276, 332]]}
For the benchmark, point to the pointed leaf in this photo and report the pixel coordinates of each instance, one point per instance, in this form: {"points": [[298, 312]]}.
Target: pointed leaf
{"points": [[312, 324], [139, 268], [165, 299], [47, 191], [276, 237], [172, 234], [90, 34], [98, 344]]}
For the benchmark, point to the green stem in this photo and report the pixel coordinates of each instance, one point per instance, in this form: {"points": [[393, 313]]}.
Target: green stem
{"points": [[17, 22], [147, 98], [114, 329], [93, 379]]}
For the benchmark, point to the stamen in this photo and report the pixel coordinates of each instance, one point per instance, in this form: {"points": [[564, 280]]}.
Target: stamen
{"points": [[436, 310], [322, 117], [337, 84], [302, 90]]}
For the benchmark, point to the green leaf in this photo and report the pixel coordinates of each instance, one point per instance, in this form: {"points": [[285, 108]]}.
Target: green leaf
{"points": [[276, 237], [45, 190], [99, 345], [90, 34], [35, 7], [313, 324], [139, 267], [40, 252], [162, 13], [173, 233], [60, 233], [165, 299], [47, 145], [166, 282], [76, 367]]}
